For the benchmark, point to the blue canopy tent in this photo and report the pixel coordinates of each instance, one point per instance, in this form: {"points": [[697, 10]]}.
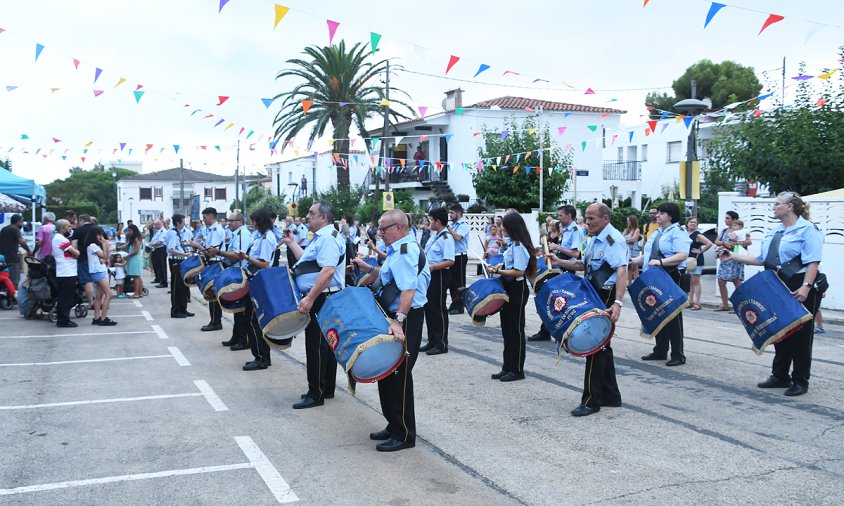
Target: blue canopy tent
{"points": [[22, 189]]}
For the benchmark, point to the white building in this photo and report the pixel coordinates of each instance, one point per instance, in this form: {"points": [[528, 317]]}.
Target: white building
{"points": [[157, 194]]}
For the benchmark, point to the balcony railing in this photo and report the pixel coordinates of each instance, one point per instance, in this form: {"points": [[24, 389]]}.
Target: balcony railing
{"points": [[623, 171]]}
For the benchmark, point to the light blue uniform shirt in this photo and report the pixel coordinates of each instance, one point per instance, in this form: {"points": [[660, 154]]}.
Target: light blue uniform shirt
{"points": [[277, 232], [185, 235], [440, 247], [263, 247], [159, 236], [572, 237], [229, 236], [302, 238], [672, 240], [241, 241], [326, 250], [802, 239], [200, 230], [173, 241], [213, 236], [516, 257], [462, 229], [600, 251], [404, 268]]}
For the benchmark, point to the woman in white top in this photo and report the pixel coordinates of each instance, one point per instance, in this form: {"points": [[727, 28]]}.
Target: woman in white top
{"points": [[96, 244]]}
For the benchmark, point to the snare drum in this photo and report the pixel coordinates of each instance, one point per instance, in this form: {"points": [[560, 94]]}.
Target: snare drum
{"points": [[574, 314], [657, 299], [767, 310], [543, 274], [232, 287], [190, 267], [276, 302], [484, 298], [368, 277], [356, 328], [205, 280]]}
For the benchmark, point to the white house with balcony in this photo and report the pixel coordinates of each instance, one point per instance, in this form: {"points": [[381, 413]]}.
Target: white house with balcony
{"points": [[160, 194]]}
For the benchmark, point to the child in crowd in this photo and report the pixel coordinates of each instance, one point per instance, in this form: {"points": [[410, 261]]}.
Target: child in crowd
{"points": [[118, 264], [492, 245], [5, 280], [733, 234]]}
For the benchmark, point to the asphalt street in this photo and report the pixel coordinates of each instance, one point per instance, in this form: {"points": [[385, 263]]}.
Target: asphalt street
{"points": [[154, 411]]}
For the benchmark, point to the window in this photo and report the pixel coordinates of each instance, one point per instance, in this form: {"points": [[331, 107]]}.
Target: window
{"points": [[644, 152], [674, 152], [290, 177], [220, 194], [158, 191], [620, 156], [632, 153], [145, 193], [209, 192]]}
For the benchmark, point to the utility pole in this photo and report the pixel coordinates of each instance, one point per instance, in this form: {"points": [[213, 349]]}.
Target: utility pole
{"points": [[181, 186], [541, 157], [237, 175], [783, 82], [384, 131]]}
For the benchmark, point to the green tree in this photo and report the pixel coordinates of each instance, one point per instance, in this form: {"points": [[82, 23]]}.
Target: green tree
{"points": [[503, 185], [343, 86], [6, 164], [799, 148], [723, 83], [88, 188], [402, 199]]}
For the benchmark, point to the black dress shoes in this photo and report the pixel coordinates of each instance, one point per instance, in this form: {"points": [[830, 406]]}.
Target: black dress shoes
{"points": [[188, 313], [67, 325], [774, 382], [794, 390], [178, 315], [161, 285], [652, 356], [498, 375], [611, 404], [457, 310], [326, 396], [676, 361], [584, 410], [210, 327], [437, 351], [239, 347], [513, 376], [307, 402], [393, 445], [230, 342], [426, 347], [255, 366], [540, 336], [381, 435]]}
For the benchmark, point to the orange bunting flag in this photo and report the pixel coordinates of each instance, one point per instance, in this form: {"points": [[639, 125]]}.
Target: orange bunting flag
{"points": [[822, 102], [280, 12], [451, 62], [336, 157], [515, 169], [773, 18], [222, 99], [646, 3], [403, 161], [652, 124], [306, 105]]}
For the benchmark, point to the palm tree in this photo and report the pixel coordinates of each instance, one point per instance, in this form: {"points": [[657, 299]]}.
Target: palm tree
{"points": [[345, 90]]}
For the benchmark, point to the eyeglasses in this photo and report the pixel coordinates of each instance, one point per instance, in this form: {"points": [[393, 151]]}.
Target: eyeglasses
{"points": [[384, 229]]}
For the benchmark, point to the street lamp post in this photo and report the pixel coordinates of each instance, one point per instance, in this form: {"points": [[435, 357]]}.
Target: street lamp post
{"points": [[691, 107], [131, 210]]}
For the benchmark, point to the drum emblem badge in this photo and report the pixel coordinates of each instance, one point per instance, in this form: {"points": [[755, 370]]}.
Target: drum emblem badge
{"points": [[560, 303], [751, 316], [332, 338], [650, 300]]}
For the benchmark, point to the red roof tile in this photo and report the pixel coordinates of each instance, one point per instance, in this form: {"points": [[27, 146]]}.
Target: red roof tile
{"points": [[521, 103]]}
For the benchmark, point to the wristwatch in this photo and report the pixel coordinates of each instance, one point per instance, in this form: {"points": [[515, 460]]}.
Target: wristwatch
{"points": [[400, 317], [618, 302]]}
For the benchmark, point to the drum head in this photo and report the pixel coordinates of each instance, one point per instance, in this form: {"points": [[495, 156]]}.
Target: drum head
{"points": [[590, 335], [489, 309], [378, 361], [287, 326], [235, 295]]}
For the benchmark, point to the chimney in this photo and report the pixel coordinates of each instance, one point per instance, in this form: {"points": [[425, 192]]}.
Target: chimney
{"points": [[453, 99]]}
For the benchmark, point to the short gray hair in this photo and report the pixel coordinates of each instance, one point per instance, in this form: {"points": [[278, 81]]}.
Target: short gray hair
{"points": [[326, 209], [62, 224], [48, 217]]}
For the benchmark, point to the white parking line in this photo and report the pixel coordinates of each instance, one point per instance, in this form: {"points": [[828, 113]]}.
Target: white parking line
{"points": [[210, 396], [81, 334], [99, 401], [158, 330], [137, 303], [146, 315], [175, 353], [90, 361], [257, 460]]}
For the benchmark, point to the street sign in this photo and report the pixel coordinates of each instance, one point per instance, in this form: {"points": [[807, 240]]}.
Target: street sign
{"points": [[582, 173], [388, 201]]}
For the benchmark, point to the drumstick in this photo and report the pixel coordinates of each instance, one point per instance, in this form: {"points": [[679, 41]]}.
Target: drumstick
{"points": [[545, 250], [484, 265]]}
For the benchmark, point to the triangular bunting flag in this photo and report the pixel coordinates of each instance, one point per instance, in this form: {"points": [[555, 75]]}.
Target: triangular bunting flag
{"points": [[652, 124], [266, 102], [122, 145], [664, 126], [561, 130], [250, 134], [222, 99], [97, 93], [149, 146], [56, 140], [458, 111], [11, 88], [688, 121], [773, 18], [229, 126], [374, 39], [53, 90], [630, 136], [504, 134], [222, 4], [138, 94], [176, 147], [280, 12], [97, 73], [614, 137], [332, 29], [663, 115], [589, 91], [219, 123], [306, 105], [713, 10], [481, 69], [451, 61], [448, 137], [592, 127], [76, 64], [120, 81], [422, 111], [583, 145], [38, 49]]}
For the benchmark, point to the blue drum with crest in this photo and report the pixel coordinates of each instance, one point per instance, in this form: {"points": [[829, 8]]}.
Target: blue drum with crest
{"points": [[543, 274], [190, 267], [205, 280], [276, 300], [657, 300], [495, 261], [767, 310], [484, 298], [365, 278], [232, 287], [356, 328]]}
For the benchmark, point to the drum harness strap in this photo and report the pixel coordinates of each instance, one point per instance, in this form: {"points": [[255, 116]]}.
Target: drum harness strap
{"points": [[656, 254], [791, 268], [385, 294], [598, 277], [311, 266]]}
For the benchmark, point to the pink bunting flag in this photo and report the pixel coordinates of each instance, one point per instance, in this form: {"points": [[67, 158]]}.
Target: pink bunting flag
{"points": [[149, 146], [76, 64], [614, 137], [452, 60], [222, 99], [422, 111], [97, 93], [561, 130], [506, 72], [757, 113], [589, 91], [529, 109], [332, 29], [773, 18], [821, 102], [56, 140]]}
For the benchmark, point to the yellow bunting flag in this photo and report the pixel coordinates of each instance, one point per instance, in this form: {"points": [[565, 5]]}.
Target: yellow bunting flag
{"points": [[280, 12], [385, 102], [531, 131], [827, 75], [229, 126], [121, 81]]}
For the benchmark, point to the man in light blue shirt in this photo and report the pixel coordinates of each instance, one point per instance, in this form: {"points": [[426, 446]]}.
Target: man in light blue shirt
{"points": [[460, 230], [158, 257], [405, 277], [319, 272], [241, 241], [440, 254], [174, 242], [211, 236]]}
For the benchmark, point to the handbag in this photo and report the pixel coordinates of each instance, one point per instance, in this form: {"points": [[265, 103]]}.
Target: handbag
{"points": [[821, 283]]}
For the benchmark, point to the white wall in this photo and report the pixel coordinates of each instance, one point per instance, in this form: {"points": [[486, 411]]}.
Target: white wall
{"points": [[827, 214], [130, 188]]}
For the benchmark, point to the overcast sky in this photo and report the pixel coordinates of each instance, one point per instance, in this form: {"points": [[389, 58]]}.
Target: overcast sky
{"points": [[184, 52]]}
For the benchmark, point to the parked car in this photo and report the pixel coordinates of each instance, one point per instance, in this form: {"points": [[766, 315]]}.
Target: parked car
{"points": [[710, 231]]}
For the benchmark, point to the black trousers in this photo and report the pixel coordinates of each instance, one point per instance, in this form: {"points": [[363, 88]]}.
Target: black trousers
{"points": [[672, 332], [215, 312], [513, 326], [436, 312], [321, 363], [178, 290], [396, 390], [240, 329], [158, 259], [64, 298], [458, 280], [797, 349], [600, 386], [260, 348]]}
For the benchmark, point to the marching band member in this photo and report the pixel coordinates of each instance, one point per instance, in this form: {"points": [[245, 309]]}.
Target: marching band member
{"points": [[317, 277], [175, 254], [519, 260], [241, 241], [667, 248], [212, 236], [158, 256], [258, 257], [440, 253], [460, 230], [406, 269], [793, 249], [605, 263]]}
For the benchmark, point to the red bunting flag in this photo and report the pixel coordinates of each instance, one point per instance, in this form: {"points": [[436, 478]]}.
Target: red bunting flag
{"points": [[822, 102], [222, 99], [306, 105], [652, 124], [773, 18], [332, 29], [757, 113], [149, 146], [451, 61], [510, 72], [646, 3]]}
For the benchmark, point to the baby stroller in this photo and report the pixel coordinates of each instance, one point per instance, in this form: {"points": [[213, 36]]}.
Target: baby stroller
{"points": [[43, 291]]}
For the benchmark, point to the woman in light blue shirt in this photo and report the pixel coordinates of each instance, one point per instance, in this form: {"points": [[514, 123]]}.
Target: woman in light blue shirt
{"points": [[519, 261], [796, 259], [258, 257]]}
